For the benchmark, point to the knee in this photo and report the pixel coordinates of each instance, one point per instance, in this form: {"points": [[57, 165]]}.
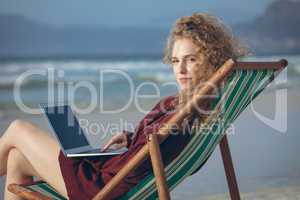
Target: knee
{"points": [[19, 124], [20, 127]]}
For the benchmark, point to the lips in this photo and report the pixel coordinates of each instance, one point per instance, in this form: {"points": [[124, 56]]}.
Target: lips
{"points": [[185, 79]]}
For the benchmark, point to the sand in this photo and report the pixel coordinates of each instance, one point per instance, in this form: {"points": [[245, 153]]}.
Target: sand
{"points": [[280, 193]]}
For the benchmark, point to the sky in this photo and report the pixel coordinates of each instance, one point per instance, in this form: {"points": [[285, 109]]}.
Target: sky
{"points": [[116, 13]]}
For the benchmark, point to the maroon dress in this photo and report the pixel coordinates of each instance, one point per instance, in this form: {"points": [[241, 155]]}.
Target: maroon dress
{"points": [[85, 177]]}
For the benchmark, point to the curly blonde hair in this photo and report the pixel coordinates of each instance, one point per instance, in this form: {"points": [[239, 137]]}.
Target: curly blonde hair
{"points": [[213, 38]]}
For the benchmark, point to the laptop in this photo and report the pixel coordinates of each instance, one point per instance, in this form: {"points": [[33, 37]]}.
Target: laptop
{"points": [[72, 138]]}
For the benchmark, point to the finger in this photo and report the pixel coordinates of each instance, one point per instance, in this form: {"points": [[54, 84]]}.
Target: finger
{"points": [[117, 146], [120, 145], [107, 145], [113, 140]]}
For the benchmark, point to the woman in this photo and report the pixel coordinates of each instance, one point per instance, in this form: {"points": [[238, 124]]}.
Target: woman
{"points": [[197, 46]]}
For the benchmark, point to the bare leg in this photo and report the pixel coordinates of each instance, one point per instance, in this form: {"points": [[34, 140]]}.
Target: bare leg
{"points": [[19, 171], [38, 147]]}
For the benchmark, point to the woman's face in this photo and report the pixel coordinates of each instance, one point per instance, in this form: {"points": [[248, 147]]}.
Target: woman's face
{"points": [[185, 59]]}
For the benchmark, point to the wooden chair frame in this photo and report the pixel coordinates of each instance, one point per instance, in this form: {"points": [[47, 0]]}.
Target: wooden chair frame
{"points": [[152, 147]]}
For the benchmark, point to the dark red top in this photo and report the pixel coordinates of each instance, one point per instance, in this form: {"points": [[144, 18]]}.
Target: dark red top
{"points": [[86, 176]]}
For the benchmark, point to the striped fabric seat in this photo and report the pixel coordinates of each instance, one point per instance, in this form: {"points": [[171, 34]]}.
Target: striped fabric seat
{"points": [[240, 89], [46, 190]]}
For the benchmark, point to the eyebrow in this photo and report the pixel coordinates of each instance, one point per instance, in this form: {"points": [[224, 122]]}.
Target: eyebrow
{"points": [[188, 55]]}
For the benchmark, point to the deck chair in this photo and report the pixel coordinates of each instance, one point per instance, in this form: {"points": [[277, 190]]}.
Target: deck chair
{"points": [[244, 81]]}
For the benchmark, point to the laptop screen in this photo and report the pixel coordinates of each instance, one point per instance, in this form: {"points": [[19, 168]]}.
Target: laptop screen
{"points": [[66, 126]]}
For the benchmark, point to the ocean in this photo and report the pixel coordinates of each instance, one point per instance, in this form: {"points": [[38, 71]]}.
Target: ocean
{"points": [[113, 80]]}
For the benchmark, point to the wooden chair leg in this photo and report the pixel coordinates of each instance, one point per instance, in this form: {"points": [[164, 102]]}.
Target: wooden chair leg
{"points": [[229, 170], [158, 168]]}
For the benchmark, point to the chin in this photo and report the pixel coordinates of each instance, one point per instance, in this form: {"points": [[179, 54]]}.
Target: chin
{"points": [[183, 86]]}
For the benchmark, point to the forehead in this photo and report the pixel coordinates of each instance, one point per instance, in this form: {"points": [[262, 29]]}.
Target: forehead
{"points": [[183, 47]]}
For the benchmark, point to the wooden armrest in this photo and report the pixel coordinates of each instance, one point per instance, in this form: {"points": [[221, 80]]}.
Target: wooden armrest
{"points": [[25, 193]]}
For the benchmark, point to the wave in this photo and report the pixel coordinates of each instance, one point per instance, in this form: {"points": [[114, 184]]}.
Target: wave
{"points": [[34, 88], [89, 70], [19, 67], [159, 77]]}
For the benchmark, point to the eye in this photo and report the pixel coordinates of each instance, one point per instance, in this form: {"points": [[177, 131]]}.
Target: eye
{"points": [[174, 61], [192, 59]]}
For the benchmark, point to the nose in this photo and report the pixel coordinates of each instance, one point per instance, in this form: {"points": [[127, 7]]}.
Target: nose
{"points": [[182, 67]]}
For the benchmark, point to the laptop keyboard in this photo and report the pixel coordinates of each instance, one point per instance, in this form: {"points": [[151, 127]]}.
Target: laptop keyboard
{"points": [[93, 151]]}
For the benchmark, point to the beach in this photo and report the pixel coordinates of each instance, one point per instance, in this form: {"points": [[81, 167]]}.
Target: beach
{"points": [[266, 158], [283, 193]]}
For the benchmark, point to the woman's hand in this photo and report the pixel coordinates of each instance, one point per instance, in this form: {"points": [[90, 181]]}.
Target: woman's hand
{"points": [[119, 141]]}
